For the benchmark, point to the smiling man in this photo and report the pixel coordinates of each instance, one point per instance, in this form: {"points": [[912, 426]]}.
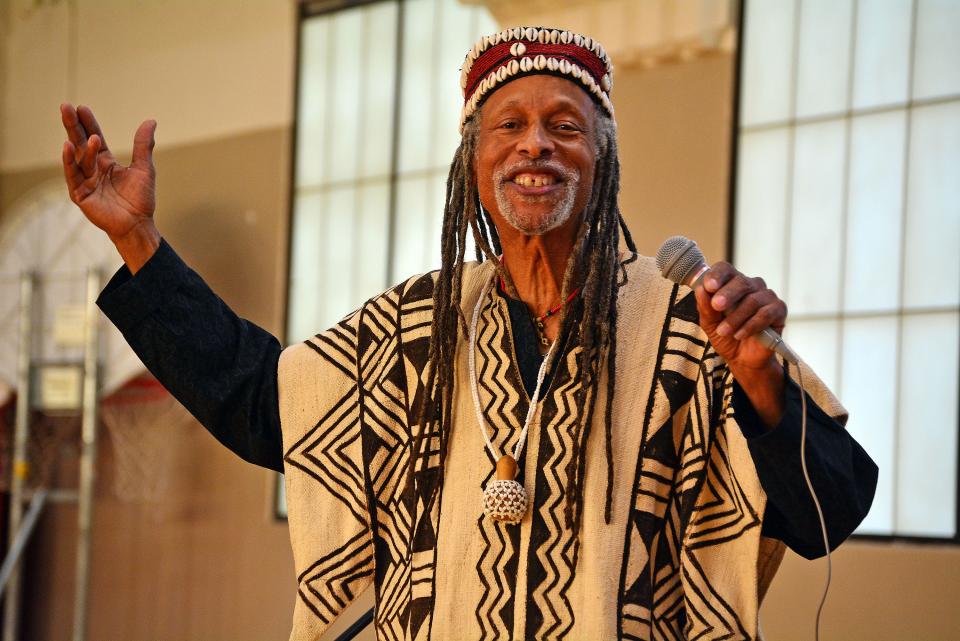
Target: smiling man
{"points": [[551, 442]]}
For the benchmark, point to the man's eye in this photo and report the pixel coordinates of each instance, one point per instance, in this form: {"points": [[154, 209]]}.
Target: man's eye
{"points": [[510, 124]]}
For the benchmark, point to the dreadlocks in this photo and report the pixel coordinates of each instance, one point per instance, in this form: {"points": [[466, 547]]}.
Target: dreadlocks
{"points": [[593, 266]]}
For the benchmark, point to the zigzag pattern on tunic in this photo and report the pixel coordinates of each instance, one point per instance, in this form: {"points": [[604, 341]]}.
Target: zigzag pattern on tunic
{"points": [[383, 347], [325, 586], [334, 574], [553, 545], [685, 492], [504, 406]]}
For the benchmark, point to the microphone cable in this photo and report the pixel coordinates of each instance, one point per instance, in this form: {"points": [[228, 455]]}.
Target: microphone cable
{"points": [[813, 495], [680, 260]]}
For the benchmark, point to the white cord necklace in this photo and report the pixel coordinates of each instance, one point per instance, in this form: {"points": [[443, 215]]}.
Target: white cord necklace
{"points": [[504, 499]]}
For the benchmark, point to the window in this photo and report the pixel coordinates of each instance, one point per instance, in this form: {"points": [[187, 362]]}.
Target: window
{"points": [[378, 111], [848, 204], [377, 123]]}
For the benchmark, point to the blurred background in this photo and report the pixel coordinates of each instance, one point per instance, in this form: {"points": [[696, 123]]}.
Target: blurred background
{"points": [[301, 152]]}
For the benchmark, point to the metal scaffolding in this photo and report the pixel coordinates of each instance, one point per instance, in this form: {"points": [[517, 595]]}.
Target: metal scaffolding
{"points": [[22, 522]]}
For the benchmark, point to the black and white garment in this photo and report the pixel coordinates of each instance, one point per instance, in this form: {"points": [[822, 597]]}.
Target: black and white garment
{"points": [[683, 557]]}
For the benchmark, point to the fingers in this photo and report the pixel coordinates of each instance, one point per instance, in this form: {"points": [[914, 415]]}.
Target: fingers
{"points": [[729, 287], [71, 123], [143, 143], [88, 156], [732, 304], [71, 170], [90, 124], [79, 186], [755, 312], [726, 285], [709, 317], [772, 315]]}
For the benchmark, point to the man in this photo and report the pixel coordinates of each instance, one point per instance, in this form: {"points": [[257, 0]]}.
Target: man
{"points": [[661, 441]]}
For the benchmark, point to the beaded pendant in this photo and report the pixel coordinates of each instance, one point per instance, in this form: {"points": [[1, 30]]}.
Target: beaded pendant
{"points": [[504, 499]]}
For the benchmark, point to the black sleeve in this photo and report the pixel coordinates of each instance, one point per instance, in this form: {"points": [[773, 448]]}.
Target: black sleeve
{"points": [[843, 475], [220, 366]]}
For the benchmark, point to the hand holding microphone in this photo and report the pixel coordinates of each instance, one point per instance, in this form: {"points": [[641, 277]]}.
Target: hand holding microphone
{"points": [[733, 307], [742, 318]]}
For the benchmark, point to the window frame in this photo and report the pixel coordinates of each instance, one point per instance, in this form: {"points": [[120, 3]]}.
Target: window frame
{"points": [[736, 130]]}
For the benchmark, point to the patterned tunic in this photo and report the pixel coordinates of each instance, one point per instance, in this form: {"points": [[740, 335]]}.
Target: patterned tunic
{"points": [[684, 555], [679, 559]]}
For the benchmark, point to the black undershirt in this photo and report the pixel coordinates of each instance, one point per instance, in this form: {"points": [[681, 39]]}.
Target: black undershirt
{"points": [[526, 342]]}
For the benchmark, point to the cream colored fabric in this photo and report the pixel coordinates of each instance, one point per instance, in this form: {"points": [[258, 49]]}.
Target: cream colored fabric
{"points": [[681, 556]]}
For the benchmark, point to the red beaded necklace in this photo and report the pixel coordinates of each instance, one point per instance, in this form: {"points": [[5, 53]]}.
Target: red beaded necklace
{"points": [[540, 321]]}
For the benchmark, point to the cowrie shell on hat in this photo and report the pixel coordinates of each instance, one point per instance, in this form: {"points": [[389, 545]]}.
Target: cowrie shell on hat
{"points": [[534, 50]]}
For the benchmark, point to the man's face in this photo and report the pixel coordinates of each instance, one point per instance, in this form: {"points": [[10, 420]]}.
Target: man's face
{"points": [[535, 154]]}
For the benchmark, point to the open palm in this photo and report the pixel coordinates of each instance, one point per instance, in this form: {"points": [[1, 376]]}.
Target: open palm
{"points": [[113, 197]]}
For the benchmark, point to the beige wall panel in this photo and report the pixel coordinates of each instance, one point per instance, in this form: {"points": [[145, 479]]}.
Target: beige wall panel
{"points": [[674, 135], [202, 69], [224, 208], [14, 185], [880, 592], [207, 561]]}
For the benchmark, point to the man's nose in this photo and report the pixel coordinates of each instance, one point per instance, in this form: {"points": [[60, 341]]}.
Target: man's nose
{"points": [[535, 142]]}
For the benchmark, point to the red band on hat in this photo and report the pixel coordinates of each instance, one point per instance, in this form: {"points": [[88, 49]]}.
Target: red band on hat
{"points": [[499, 55]]}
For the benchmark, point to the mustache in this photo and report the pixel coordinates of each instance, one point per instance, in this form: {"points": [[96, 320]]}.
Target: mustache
{"points": [[532, 166]]}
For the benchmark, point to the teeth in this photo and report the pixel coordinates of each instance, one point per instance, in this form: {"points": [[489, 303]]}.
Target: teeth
{"points": [[534, 180]]}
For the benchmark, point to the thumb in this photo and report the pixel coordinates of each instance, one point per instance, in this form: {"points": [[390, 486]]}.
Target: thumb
{"points": [[709, 317], [143, 142]]}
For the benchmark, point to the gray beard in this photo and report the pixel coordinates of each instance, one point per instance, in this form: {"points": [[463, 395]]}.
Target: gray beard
{"points": [[537, 227]]}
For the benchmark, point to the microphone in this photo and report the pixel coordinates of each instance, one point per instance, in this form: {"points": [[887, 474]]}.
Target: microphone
{"points": [[680, 260]]}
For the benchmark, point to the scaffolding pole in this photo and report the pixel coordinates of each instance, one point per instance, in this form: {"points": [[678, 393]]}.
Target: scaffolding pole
{"points": [[88, 457], [21, 465]]}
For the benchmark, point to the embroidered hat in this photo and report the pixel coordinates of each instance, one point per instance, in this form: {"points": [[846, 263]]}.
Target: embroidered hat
{"points": [[523, 51]]}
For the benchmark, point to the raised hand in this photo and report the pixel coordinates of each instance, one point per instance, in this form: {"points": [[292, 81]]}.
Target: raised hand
{"points": [[733, 310], [119, 200]]}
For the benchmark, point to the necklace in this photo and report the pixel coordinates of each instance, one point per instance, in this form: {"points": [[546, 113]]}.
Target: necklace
{"points": [[504, 499], [539, 322]]}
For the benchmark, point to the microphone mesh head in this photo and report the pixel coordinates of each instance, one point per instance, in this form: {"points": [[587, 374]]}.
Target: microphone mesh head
{"points": [[678, 258]]}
